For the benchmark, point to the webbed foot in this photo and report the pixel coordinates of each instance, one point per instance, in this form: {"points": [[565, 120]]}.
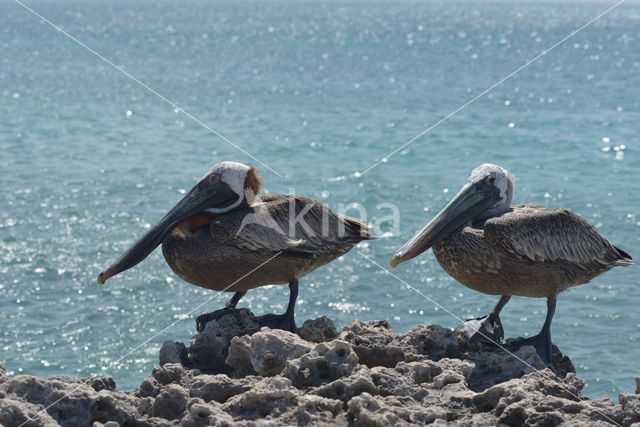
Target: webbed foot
{"points": [[485, 330], [203, 319], [279, 321], [542, 344], [230, 306]]}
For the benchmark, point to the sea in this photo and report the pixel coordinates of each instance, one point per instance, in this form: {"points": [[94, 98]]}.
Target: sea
{"points": [[111, 110]]}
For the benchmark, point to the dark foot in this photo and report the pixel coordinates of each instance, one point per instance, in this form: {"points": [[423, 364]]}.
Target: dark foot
{"points": [[203, 319], [486, 330], [541, 343], [278, 321]]}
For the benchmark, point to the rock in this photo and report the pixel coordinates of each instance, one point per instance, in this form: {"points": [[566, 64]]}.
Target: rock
{"points": [[419, 372], [392, 382], [101, 383], [218, 388], [120, 408], [366, 410], [637, 385], [268, 350], [316, 410], [318, 330], [209, 349], [542, 398], [372, 342], [71, 402], [170, 403], [630, 408], [271, 377], [16, 412], [173, 352], [200, 414], [433, 341], [278, 401], [107, 424], [494, 367], [96, 383], [326, 362], [345, 389], [268, 397], [239, 357]]}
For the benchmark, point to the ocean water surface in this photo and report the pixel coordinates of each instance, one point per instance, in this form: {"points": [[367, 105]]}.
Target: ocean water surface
{"points": [[318, 91]]}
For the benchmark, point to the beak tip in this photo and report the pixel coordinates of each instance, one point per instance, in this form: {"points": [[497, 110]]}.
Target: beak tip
{"points": [[394, 261], [101, 279]]}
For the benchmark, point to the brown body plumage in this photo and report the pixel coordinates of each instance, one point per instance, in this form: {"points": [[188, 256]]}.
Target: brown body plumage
{"points": [[222, 235], [526, 250], [529, 251], [223, 251]]}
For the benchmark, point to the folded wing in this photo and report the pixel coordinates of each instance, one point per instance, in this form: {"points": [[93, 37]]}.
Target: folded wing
{"points": [[295, 225], [539, 234]]}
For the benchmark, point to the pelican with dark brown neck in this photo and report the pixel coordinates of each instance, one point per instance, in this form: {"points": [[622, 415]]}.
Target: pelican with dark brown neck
{"points": [[224, 236], [526, 250]]}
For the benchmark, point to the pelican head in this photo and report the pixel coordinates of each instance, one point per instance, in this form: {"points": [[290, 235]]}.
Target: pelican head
{"points": [[225, 187], [486, 194]]}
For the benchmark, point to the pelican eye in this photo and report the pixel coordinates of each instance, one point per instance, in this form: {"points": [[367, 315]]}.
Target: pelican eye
{"points": [[209, 180], [490, 180]]}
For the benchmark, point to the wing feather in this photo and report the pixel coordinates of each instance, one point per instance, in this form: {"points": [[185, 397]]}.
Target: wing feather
{"points": [[539, 234], [296, 225]]}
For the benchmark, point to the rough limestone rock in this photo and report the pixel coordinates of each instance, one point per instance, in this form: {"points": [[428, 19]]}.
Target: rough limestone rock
{"points": [[373, 343], [218, 388], [14, 412], [365, 410], [173, 352], [209, 349], [170, 403], [346, 388], [432, 341], [70, 402], [318, 330], [233, 373], [324, 363], [268, 350]]}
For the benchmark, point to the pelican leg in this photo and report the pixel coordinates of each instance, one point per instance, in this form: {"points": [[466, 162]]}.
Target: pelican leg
{"points": [[203, 319], [486, 329], [287, 320], [542, 341]]}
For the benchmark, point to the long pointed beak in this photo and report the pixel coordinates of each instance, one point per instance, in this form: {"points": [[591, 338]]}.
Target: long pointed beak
{"points": [[197, 200], [472, 199]]}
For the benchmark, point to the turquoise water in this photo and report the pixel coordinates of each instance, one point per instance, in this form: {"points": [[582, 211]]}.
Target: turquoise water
{"points": [[318, 91]]}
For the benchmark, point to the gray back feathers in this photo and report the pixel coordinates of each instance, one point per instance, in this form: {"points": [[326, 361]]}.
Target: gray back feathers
{"points": [[539, 234]]}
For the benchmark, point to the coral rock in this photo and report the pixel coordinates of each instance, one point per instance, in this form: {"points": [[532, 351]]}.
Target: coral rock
{"points": [[218, 388], [173, 352], [326, 362], [268, 350], [318, 330], [372, 342], [209, 349], [365, 377], [170, 403], [345, 389]]}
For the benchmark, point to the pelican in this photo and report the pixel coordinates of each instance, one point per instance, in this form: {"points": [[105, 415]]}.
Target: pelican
{"points": [[525, 250], [224, 236]]}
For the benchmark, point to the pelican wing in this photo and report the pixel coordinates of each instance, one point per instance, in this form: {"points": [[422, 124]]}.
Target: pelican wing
{"points": [[539, 234], [295, 225]]}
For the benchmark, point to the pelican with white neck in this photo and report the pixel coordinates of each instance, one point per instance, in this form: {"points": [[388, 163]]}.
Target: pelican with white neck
{"points": [[224, 236], [525, 250]]}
